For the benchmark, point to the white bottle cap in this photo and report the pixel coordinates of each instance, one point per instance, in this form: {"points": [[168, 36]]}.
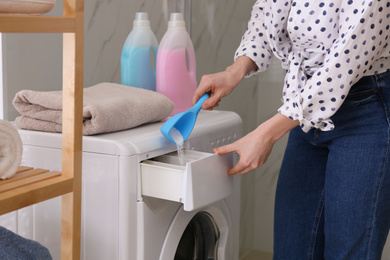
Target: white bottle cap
{"points": [[176, 20], [141, 19]]}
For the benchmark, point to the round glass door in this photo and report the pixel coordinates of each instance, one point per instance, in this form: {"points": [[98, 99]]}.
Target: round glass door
{"points": [[199, 240]]}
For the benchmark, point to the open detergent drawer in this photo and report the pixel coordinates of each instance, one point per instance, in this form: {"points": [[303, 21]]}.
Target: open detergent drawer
{"points": [[196, 180]]}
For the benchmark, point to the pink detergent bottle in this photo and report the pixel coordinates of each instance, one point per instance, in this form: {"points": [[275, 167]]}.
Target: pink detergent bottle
{"points": [[176, 65]]}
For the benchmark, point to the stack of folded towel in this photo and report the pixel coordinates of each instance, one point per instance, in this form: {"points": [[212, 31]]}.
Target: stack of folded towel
{"points": [[107, 107], [11, 149]]}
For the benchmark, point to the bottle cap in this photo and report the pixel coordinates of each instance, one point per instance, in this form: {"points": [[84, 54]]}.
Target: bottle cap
{"points": [[141, 19], [176, 20]]}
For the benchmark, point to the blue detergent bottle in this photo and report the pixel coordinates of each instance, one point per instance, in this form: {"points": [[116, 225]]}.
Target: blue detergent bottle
{"points": [[139, 52]]}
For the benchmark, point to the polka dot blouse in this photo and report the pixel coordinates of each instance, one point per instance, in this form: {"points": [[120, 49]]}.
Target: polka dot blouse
{"points": [[325, 47]]}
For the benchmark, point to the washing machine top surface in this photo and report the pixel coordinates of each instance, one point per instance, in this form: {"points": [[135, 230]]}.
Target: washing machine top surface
{"points": [[137, 140]]}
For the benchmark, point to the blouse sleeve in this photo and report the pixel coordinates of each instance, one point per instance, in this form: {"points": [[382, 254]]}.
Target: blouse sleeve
{"points": [[254, 42], [360, 49]]}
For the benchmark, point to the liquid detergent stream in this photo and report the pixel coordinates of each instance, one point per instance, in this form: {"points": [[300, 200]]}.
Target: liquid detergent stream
{"points": [[178, 128], [178, 138]]}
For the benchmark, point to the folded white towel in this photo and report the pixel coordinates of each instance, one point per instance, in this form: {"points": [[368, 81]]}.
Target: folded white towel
{"points": [[107, 107], [11, 149]]}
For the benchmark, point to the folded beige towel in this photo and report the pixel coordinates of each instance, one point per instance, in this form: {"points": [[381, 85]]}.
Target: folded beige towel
{"points": [[11, 149], [108, 107]]}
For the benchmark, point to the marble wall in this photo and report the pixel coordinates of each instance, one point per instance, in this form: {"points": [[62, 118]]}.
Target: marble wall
{"points": [[32, 62]]}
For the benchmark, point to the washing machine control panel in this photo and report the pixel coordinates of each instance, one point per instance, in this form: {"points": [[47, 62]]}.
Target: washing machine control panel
{"points": [[214, 140]]}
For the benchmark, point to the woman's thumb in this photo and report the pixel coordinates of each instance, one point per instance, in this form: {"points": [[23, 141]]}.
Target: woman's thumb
{"points": [[223, 149]]}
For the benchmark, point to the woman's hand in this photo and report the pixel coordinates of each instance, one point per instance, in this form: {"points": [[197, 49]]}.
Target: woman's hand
{"points": [[255, 147], [221, 84], [253, 150]]}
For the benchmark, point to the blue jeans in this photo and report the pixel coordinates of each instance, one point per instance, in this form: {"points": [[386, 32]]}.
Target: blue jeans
{"points": [[333, 192]]}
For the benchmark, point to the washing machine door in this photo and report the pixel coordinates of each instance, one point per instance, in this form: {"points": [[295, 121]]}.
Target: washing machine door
{"points": [[203, 234]]}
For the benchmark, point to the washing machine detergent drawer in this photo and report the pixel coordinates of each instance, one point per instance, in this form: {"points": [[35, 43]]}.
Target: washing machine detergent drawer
{"points": [[195, 179]]}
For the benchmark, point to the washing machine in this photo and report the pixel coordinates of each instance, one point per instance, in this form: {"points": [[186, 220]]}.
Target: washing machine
{"points": [[140, 200]]}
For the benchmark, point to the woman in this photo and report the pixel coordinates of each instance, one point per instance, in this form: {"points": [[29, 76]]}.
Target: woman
{"points": [[333, 192]]}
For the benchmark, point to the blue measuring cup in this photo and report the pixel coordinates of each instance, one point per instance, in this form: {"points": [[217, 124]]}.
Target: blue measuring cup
{"points": [[182, 123]]}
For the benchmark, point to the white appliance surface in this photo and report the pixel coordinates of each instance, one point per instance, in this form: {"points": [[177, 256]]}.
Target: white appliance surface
{"points": [[118, 220]]}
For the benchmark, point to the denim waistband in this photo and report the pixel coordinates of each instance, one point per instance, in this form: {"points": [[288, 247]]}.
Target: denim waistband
{"points": [[379, 75], [376, 76]]}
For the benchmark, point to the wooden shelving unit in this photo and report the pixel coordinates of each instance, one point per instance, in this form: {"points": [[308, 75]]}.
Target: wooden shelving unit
{"points": [[36, 24], [30, 186]]}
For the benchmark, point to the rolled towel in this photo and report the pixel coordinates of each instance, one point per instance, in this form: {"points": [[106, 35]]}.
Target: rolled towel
{"points": [[108, 107], [11, 149]]}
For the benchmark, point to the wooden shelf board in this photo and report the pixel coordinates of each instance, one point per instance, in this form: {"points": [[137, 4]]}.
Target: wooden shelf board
{"points": [[36, 24], [29, 186]]}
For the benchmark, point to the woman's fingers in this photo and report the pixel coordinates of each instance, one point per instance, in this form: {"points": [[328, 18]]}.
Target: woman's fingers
{"points": [[244, 165]]}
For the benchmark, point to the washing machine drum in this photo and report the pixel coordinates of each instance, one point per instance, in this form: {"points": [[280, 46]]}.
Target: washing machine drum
{"points": [[200, 239]]}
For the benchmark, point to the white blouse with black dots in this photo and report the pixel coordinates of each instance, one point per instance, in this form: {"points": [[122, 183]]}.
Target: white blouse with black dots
{"points": [[335, 42]]}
